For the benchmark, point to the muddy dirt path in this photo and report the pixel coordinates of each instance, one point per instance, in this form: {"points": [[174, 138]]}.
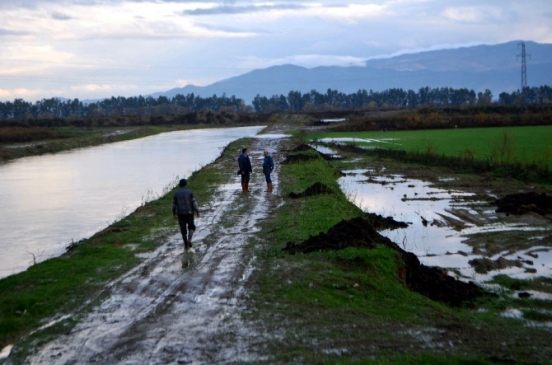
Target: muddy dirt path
{"points": [[176, 307]]}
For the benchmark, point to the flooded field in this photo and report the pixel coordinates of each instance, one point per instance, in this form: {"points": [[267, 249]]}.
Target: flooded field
{"points": [[453, 229], [441, 223]]}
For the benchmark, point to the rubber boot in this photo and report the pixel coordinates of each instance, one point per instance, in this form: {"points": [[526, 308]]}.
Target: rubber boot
{"points": [[190, 235], [247, 187], [270, 187], [243, 187]]}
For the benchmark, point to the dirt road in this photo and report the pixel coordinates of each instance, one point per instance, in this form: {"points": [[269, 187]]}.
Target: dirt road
{"points": [[176, 307]]}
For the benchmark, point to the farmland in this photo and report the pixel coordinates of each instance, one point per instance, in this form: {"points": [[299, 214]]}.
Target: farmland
{"points": [[524, 145]]}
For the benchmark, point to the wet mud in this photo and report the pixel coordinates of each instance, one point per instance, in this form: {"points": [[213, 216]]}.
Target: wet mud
{"points": [[485, 265], [380, 223], [523, 203], [432, 282]]}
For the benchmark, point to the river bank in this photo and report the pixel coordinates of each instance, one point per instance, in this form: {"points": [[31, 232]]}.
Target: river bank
{"points": [[241, 298], [25, 142]]}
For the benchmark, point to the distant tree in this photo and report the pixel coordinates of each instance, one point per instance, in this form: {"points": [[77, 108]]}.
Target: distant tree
{"points": [[484, 98]]}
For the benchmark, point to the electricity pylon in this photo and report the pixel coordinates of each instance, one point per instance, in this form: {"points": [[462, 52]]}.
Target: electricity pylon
{"points": [[523, 66]]}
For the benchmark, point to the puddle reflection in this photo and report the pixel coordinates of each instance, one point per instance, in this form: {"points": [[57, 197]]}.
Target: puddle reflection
{"points": [[326, 151]]}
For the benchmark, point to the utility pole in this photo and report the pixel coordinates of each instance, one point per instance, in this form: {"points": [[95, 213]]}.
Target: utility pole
{"points": [[523, 66]]}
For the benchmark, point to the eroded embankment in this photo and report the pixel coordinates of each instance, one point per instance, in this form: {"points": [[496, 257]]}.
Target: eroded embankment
{"points": [[432, 282]]}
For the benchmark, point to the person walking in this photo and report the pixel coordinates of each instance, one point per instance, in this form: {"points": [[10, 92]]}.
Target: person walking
{"points": [[268, 166], [183, 207], [244, 164]]}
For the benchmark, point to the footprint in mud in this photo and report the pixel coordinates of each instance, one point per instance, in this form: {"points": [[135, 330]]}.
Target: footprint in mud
{"points": [[188, 258]]}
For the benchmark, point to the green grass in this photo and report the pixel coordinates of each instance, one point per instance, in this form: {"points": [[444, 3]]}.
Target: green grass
{"points": [[304, 217], [542, 283], [527, 145]]}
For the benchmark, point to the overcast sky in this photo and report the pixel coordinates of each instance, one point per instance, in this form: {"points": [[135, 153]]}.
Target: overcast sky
{"points": [[91, 49]]}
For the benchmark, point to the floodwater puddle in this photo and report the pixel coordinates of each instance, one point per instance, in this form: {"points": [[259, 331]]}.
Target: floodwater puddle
{"points": [[272, 136], [518, 314], [5, 352], [346, 140], [441, 223], [326, 151]]}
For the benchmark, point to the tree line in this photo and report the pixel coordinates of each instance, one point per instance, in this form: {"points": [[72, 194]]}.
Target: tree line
{"points": [[396, 98], [294, 101], [138, 106]]}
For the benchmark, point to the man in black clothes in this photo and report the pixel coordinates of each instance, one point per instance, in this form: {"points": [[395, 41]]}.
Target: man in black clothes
{"points": [[184, 205], [244, 164]]}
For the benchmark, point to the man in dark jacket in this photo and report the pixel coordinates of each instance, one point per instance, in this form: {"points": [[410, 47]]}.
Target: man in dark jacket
{"points": [[245, 169], [184, 205]]}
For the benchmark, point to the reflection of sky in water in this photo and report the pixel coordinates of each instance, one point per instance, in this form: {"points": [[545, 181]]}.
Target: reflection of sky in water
{"points": [[323, 149], [413, 201], [387, 200], [357, 140], [48, 201], [272, 136]]}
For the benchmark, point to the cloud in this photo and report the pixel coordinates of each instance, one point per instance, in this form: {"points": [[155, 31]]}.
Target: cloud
{"points": [[60, 16], [78, 48], [305, 60], [227, 9], [8, 32]]}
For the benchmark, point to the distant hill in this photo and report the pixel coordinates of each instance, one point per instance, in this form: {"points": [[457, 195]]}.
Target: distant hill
{"points": [[493, 67]]}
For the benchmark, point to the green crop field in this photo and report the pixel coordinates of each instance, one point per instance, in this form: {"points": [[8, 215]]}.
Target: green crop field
{"points": [[503, 144]]}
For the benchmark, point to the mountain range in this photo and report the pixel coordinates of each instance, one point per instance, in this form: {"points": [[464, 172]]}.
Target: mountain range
{"points": [[494, 67]]}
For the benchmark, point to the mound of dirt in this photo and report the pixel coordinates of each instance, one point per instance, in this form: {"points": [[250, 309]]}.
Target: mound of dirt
{"points": [[522, 203], [379, 222], [298, 158], [432, 282], [303, 147], [315, 189], [484, 265], [306, 147]]}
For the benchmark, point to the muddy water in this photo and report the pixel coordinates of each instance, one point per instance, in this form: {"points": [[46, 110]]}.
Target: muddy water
{"points": [[441, 221], [46, 202], [181, 307]]}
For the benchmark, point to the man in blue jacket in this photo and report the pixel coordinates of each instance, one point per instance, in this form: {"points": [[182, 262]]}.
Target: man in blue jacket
{"points": [[183, 207], [268, 166], [245, 169]]}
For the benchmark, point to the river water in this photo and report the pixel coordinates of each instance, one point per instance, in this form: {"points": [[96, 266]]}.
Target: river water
{"points": [[48, 201]]}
